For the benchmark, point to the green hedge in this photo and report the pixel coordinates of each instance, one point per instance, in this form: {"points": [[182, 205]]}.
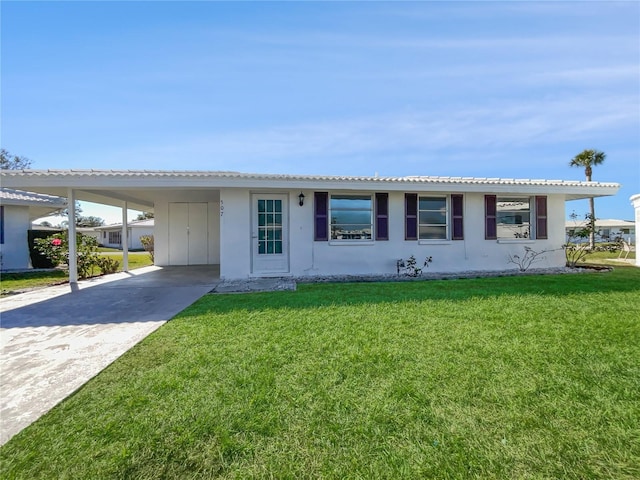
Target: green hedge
{"points": [[38, 260]]}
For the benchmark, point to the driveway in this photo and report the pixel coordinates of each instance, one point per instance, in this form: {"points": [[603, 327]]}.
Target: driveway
{"points": [[54, 340]]}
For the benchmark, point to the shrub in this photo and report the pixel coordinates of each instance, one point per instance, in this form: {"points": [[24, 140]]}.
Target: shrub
{"points": [[56, 249], [108, 265], [38, 259], [147, 243]]}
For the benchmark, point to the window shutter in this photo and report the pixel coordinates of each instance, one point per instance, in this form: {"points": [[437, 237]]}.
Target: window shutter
{"points": [[456, 215], [410, 216], [490, 228], [321, 214], [541, 218], [382, 216]]}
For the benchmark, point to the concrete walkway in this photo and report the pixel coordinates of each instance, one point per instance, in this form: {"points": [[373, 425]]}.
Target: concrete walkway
{"points": [[54, 340]]}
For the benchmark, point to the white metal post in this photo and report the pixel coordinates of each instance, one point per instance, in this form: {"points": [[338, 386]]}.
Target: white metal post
{"points": [[125, 239], [73, 259]]}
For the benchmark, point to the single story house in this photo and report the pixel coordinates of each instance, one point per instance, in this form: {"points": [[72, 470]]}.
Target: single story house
{"points": [[17, 210], [111, 235], [256, 225], [635, 201], [607, 230]]}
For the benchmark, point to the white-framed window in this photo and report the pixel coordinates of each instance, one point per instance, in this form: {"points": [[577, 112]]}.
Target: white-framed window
{"points": [[115, 238], [513, 217], [351, 217], [433, 217]]}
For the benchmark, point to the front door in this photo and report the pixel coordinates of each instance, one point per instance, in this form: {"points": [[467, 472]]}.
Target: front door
{"points": [[270, 234]]}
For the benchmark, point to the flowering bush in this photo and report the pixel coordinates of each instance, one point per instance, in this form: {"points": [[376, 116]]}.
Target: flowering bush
{"points": [[56, 249]]}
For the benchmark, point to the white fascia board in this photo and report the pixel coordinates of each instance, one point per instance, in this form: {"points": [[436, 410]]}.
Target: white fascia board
{"points": [[120, 181]]}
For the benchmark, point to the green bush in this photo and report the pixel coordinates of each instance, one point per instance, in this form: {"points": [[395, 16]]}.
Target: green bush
{"points": [[108, 265], [38, 259], [56, 249]]}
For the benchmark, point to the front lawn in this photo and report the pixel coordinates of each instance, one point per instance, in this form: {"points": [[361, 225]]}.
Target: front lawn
{"points": [[16, 282], [515, 377]]}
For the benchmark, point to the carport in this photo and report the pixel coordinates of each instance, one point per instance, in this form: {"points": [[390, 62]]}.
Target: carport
{"points": [[54, 340], [186, 206]]}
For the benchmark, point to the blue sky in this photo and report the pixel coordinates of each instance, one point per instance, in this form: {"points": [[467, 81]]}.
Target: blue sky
{"points": [[487, 89]]}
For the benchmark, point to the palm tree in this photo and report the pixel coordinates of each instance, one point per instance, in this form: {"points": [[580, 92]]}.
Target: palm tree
{"points": [[587, 159]]}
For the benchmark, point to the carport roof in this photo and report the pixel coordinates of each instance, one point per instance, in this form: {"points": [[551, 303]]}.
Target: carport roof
{"points": [[137, 187]]}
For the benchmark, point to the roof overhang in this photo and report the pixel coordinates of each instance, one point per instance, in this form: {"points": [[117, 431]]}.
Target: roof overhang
{"points": [[139, 187]]}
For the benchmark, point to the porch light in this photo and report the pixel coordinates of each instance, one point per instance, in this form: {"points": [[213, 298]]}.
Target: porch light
{"points": [[301, 199]]}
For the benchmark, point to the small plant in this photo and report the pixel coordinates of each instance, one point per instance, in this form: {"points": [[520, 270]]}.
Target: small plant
{"points": [[147, 244], [525, 261], [575, 250], [410, 266], [108, 265]]}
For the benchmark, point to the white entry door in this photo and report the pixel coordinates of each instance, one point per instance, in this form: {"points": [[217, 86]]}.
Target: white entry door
{"points": [[188, 234], [270, 234]]}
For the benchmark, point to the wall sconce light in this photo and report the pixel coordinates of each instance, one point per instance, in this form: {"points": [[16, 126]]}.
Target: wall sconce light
{"points": [[301, 199]]}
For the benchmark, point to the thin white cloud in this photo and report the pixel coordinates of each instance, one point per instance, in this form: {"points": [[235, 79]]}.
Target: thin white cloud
{"points": [[538, 123]]}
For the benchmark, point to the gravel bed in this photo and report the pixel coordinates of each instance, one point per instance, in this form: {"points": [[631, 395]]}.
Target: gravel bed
{"points": [[448, 276]]}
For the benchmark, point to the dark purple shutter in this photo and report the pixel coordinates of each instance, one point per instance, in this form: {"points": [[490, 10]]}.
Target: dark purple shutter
{"points": [[541, 218], [490, 228], [321, 213], [410, 216], [2, 224], [382, 216], [456, 210]]}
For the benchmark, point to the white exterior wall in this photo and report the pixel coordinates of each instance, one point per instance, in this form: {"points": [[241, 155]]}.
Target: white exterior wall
{"points": [[472, 253], [235, 233], [162, 225], [14, 252], [311, 258]]}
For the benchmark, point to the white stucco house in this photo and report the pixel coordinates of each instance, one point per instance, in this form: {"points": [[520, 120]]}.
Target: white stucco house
{"points": [[17, 210], [255, 225], [111, 235], [607, 230], [635, 201]]}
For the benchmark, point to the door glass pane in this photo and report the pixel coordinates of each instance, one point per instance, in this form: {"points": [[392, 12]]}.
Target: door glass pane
{"points": [[270, 227]]}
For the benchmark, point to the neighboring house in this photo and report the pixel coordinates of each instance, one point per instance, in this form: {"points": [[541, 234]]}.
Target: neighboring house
{"points": [[607, 230], [111, 235], [256, 225], [17, 210]]}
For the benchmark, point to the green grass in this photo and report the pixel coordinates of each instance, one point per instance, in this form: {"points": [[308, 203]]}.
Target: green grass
{"points": [[515, 377], [11, 282], [16, 282]]}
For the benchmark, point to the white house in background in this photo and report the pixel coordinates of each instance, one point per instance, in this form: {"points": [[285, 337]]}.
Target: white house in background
{"points": [[635, 201], [256, 225], [17, 210], [607, 230], [111, 235]]}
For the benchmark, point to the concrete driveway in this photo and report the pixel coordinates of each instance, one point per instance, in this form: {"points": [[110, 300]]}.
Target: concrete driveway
{"points": [[54, 340]]}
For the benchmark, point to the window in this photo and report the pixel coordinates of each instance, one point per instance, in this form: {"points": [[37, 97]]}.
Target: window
{"points": [[511, 218], [115, 238], [269, 227], [433, 217], [351, 217]]}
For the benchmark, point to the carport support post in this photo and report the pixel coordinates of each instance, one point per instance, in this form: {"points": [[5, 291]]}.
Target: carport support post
{"points": [[125, 239], [73, 251]]}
